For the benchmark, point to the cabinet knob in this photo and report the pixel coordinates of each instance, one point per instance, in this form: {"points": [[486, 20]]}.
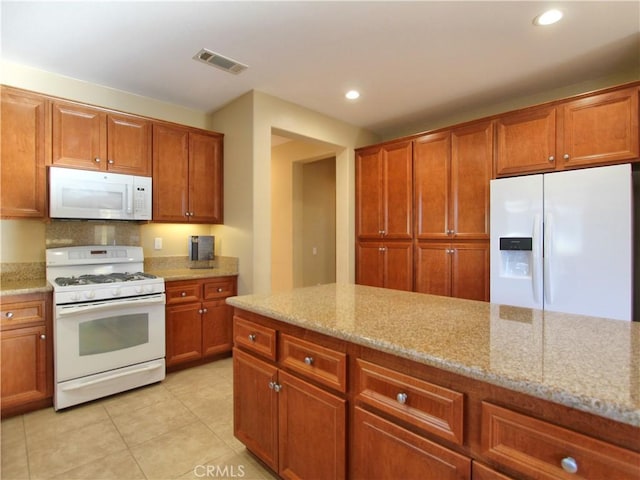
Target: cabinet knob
{"points": [[110, 162], [569, 464], [402, 398], [204, 310], [183, 294], [450, 232], [9, 314], [219, 289], [551, 158], [97, 160], [252, 337], [201, 311], [272, 384], [308, 361], [566, 156], [43, 336], [277, 387]]}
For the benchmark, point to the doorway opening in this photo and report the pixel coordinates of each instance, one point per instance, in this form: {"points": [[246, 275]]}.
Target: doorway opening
{"points": [[303, 212]]}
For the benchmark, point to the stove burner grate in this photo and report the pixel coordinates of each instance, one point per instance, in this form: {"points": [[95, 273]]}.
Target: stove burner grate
{"points": [[97, 279]]}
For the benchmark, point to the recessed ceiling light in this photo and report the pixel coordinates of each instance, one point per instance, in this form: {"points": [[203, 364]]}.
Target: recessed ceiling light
{"points": [[547, 18], [352, 94]]}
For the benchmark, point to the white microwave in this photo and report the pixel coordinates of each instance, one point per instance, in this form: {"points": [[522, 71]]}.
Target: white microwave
{"points": [[98, 195]]}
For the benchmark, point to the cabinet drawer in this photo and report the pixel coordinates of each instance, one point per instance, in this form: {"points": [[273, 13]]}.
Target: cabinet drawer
{"points": [[322, 364], [218, 289], [21, 313], [545, 451], [430, 407], [182, 293], [254, 337]]}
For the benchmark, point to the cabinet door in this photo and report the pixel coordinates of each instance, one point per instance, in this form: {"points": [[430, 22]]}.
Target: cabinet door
{"points": [[370, 264], [432, 159], [128, 145], [471, 163], [369, 207], [383, 450], [470, 271], [205, 178], [312, 431], [24, 150], [433, 268], [170, 173], [526, 141], [24, 365], [601, 129], [79, 136], [397, 191], [183, 333], [398, 266], [217, 328], [255, 406]]}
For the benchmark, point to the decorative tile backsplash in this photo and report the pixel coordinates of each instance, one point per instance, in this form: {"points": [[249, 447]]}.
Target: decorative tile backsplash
{"points": [[68, 233]]}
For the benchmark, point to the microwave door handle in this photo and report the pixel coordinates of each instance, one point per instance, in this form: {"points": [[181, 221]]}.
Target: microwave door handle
{"points": [[128, 199], [72, 311]]}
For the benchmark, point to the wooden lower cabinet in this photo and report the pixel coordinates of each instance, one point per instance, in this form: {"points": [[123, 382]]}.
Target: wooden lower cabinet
{"points": [[296, 428], [385, 264], [199, 324], [459, 269], [396, 418], [26, 353], [383, 450]]}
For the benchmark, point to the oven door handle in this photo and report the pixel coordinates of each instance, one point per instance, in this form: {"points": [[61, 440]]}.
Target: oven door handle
{"points": [[148, 368], [96, 307]]}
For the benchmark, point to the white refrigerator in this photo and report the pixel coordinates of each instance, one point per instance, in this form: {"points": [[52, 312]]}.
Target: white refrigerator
{"points": [[563, 241]]}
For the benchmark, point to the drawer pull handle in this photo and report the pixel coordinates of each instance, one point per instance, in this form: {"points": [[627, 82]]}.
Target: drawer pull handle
{"points": [[569, 464], [252, 337], [9, 315], [219, 289], [402, 398], [183, 294], [308, 361]]}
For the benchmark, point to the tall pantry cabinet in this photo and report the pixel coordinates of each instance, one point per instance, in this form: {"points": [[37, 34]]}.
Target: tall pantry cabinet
{"points": [[422, 213], [384, 250], [452, 169]]}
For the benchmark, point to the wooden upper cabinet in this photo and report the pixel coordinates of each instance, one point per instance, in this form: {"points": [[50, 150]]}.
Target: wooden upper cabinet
{"points": [[526, 141], [601, 129], [384, 191], [205, 178], [25, 146], [94, 139], [187, 175], [452, 170], [170, 173], [128, 144], [594, 130]]}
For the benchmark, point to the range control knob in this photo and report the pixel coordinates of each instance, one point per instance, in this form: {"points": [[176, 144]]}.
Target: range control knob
{"points": [[148, 288], [75, 296], [90, 294], [116, 292], [139, 289]]}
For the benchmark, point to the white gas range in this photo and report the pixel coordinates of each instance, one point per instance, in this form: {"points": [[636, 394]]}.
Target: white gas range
{"points": [[109, 322]]}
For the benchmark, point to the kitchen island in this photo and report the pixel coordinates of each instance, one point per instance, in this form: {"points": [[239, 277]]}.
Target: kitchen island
{"points": [[490, 384]]}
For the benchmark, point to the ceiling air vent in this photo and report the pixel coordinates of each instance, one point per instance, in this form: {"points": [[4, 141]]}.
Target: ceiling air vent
{"points": [[216, 60]]}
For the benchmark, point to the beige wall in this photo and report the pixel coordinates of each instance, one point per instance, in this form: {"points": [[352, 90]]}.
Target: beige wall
{"points": [[248, 124]]}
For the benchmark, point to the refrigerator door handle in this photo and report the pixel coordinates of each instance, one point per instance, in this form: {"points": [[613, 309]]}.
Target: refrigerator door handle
{"points": [[547, 249], [535, 258]]}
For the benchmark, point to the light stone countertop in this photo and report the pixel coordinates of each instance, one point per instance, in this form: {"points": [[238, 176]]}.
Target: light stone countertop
{"points": [[586, 363]]}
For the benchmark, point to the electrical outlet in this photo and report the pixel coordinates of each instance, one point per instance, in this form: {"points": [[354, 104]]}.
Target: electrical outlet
{"points": [[157, 243]]}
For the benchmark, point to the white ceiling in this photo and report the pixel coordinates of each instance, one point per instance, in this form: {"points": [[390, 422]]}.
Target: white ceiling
{"points": [[410, 60]]}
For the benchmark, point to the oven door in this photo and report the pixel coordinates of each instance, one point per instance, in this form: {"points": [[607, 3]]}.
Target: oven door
{"points": [[100, 336]]}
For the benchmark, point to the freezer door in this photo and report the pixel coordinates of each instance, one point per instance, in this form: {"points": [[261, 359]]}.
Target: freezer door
{"points": [[516, 261], [588, 242]]}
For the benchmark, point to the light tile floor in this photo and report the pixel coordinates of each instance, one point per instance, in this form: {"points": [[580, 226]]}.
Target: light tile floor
{"points": [[179, 428]]}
